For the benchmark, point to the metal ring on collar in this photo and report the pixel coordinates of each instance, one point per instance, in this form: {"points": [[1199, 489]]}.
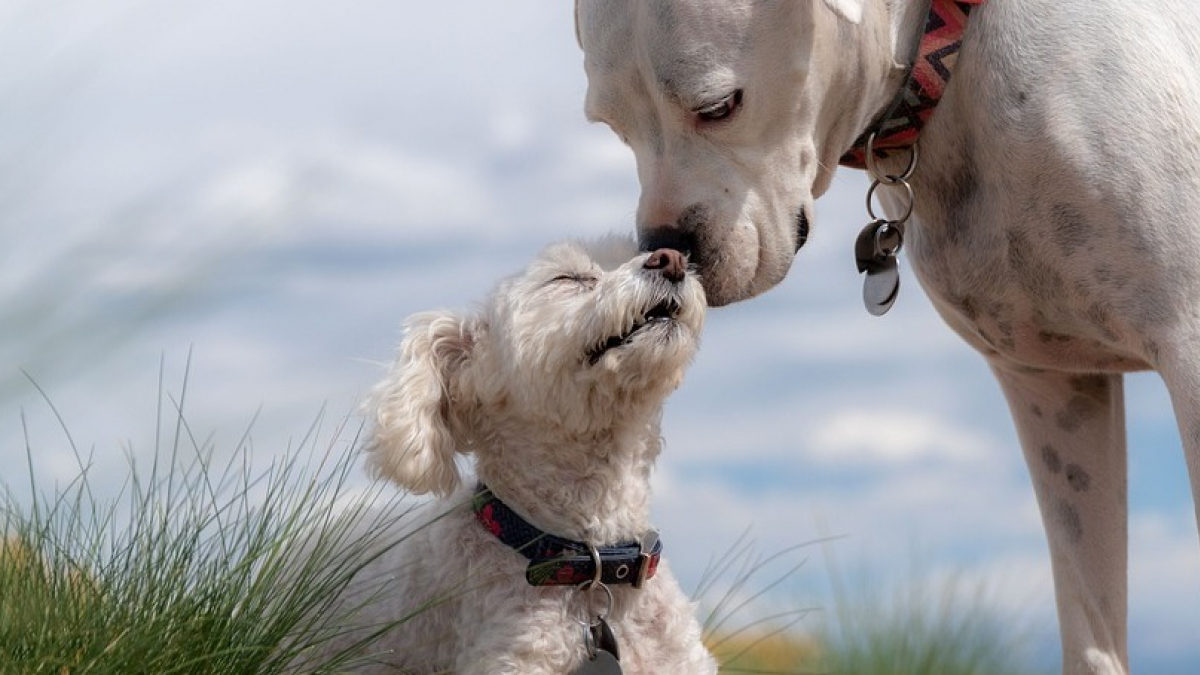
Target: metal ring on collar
{"points": [[589, 622], [888, 179], [598, 565], [908, 193], [889, 239]]}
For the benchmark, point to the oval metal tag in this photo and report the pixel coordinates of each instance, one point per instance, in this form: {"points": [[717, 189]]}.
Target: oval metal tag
{"points": [[881, 287], [604, 663]]}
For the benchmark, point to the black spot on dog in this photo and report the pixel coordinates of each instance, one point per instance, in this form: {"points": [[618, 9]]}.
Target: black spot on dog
{"points": [[1078, 478], [1068, 227], [963, 188], [1067, 517], [693, 218], [1110, 278], [1098, 315], [1094, 387], [1046, 337], [1149, 307], [1050, 458], [1078, 410], [1037, 411], [1039, 279], [1152, 351], [967, 307], [956, 193]]}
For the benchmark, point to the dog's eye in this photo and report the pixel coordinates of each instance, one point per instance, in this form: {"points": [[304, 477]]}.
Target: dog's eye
{"points": [[580, 279], [719, 110]]}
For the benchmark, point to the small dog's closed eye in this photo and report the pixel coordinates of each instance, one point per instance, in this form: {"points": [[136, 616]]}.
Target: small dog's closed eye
{"points": [[555, 385]]}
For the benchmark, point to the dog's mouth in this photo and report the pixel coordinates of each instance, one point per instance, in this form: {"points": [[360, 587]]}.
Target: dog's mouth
{"points": [[664, 312]]}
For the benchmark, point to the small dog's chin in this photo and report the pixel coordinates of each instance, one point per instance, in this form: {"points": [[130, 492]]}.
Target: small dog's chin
{"points": [[656, 348]]}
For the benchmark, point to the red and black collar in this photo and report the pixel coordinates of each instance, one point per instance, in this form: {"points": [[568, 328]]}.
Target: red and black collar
{"points": [[556, 561], [937, 53]]}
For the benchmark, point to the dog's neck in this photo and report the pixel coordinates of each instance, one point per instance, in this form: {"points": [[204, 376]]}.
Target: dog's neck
{"points": [[593, 488], [922, 43]]}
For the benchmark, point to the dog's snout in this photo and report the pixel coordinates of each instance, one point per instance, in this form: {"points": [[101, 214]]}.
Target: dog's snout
{"points": [[668, 262]]}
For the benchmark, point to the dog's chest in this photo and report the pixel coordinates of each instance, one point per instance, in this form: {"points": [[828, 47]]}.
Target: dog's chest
{"points": [[1007, 293], [1033, 256]]}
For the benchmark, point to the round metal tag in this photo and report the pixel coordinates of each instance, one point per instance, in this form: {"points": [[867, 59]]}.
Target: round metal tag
{"points": [[881, 287], [603, 663]]}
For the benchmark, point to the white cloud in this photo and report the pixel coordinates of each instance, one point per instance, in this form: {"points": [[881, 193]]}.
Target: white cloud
{"points": [[873, 437], [398, 194], [258, 192], [1164, 582]]}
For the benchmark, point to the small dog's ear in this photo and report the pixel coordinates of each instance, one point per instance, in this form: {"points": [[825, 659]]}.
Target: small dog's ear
{"points": [[850, 10], [413, 441]]}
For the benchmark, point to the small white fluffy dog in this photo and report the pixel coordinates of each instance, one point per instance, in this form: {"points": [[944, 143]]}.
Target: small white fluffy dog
{"points": [[556, 386]]}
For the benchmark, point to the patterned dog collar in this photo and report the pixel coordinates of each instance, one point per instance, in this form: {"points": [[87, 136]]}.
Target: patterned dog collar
{"points": [[555, 561], [937, 53]]}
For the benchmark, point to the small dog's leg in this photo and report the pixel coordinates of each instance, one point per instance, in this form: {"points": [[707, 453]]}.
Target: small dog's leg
{"points": [[1072, 429]]}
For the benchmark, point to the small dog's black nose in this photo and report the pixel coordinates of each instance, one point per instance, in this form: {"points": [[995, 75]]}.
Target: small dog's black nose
{"points": [[669, 262]]}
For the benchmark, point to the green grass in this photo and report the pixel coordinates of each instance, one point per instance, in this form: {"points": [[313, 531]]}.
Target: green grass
{"points": [[190, 568], [920, 628], [948, 628], [205, 566]]}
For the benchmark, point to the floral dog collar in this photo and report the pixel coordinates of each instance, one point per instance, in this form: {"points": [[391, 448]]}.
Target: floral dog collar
{"points": [[556, 561]]}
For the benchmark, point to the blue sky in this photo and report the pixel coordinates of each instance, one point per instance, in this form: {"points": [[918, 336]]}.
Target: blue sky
{"points": [[280, 183]]}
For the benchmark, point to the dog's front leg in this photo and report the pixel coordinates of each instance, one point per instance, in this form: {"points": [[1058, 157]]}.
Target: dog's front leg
{"points": [[1072, 429]]}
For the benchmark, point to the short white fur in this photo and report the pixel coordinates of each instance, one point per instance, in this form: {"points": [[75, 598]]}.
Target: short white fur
{"points": [[1055, 218]]}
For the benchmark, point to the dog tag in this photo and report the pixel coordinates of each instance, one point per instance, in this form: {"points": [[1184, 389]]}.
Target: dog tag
{"points": [[603, 638], [603, 663], [881, 287], [602, 652], [875, 254]]}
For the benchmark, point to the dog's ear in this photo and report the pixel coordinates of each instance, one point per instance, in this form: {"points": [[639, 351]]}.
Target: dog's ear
{"points": [[578, 39], [850, 10], [414, 442]]}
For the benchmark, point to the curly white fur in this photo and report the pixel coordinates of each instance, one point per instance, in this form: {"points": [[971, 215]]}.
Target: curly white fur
{"points": [[565, 431]]}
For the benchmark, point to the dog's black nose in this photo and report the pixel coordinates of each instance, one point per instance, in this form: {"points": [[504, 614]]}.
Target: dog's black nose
{"points": [[669, 262], [667, 237]]}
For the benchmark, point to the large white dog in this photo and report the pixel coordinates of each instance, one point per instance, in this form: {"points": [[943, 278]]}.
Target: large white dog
{"points": [[1053, 204]]}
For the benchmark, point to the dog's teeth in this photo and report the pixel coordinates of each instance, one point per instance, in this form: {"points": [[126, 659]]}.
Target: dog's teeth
{"points": [[665, 310]]}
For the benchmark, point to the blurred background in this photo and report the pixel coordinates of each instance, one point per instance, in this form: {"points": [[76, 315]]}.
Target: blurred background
{"points": [[273, 186]]}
